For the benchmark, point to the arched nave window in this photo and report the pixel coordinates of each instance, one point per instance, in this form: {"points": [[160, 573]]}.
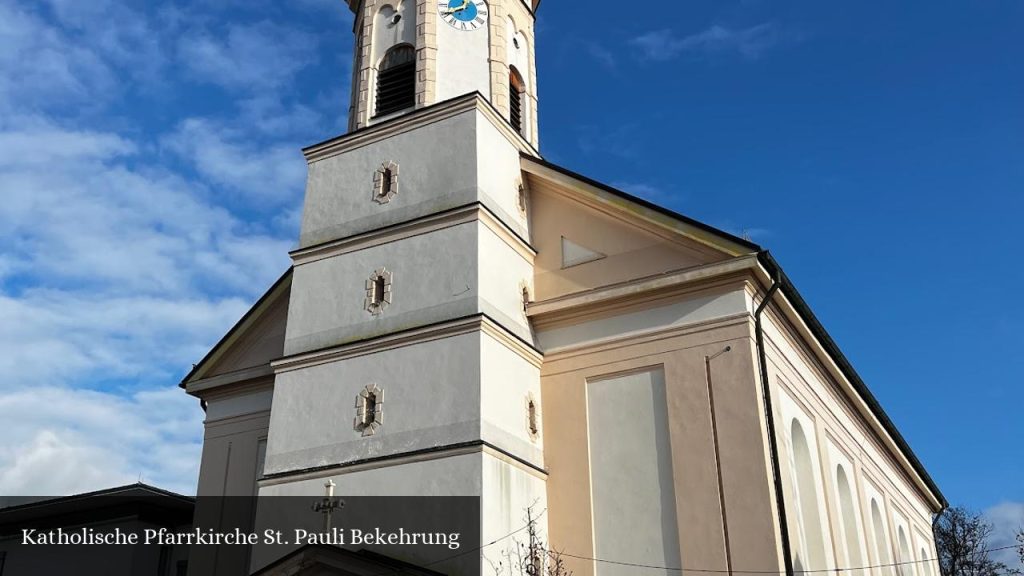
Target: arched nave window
{"points": [[881, 547], [926, 563], [851, 531], [905, 566], [807, 498]]}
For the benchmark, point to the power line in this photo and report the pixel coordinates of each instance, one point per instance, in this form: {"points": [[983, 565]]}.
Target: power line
{"points": [[471, 550], [720, 571]]}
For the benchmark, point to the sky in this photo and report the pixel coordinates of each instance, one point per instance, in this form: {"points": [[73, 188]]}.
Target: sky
{"points": [[151, 183]]}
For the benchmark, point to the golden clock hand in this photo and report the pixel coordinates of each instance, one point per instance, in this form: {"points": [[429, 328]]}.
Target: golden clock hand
{"points": [[462, 8]]}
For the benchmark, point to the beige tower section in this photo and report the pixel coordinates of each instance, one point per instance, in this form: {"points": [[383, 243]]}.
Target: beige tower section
{"points": [[450, 62]]}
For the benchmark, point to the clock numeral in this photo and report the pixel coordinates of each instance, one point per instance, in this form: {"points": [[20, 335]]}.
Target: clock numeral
{"points": [[479, 20]]}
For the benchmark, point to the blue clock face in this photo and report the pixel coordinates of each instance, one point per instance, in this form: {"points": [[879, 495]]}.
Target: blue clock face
{"points": [[463, 14]]}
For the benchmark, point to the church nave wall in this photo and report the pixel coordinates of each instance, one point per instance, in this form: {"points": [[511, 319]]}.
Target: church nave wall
{"points": [[845, 448]]}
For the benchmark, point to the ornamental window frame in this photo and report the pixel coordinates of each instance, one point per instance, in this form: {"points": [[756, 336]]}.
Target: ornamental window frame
{"points": [[385, 182], [378, 291], [532, 417], [369, 410]]}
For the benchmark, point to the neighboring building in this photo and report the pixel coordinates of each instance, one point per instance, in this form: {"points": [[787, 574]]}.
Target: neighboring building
{"points": [[132, 509], [464, 317]]}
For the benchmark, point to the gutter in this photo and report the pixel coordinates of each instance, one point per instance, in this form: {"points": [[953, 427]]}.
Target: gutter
{"points": [[769, 414]]}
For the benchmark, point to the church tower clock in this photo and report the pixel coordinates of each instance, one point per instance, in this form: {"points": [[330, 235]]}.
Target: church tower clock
{"points": [[411, 54]]}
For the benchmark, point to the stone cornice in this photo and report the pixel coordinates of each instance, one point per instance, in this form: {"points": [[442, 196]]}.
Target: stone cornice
{"points": [[238, 380], [472, 447], [467, 325], [454, 217], [416, 119], [639, 292]]}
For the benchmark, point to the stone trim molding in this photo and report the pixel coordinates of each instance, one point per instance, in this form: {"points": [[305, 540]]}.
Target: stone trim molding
{"points": [[641, 290], [533, 417], [526, 295], [388, 460], [522, 197], [411, 120], [426, 53], [378, 299], [385, 182], [467, 325], [369, 410], [461, 215]]}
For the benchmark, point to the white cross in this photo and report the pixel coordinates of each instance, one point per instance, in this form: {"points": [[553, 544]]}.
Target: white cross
{"points": [[329, 504]]}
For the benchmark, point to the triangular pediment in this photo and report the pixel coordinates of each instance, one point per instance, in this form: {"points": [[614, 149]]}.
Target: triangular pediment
{"points": [[254, 341], [589, 236]]}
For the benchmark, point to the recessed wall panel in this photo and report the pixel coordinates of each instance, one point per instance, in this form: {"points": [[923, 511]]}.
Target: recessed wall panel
{"points": [[631, 472]]}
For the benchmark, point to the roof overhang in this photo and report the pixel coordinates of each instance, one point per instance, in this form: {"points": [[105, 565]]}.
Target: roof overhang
{"points": [[650, 215], [271, 296], [799, 314]]}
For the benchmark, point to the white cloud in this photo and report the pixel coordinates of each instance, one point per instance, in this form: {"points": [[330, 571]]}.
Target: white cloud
{"points": [[78, 336], [42, 65], [81, 214], [62, 440], [253, 56], [42, 144], [120, 265], [114, 271], [267, 114], [1007, 518], [748, 42], [264, 172]]}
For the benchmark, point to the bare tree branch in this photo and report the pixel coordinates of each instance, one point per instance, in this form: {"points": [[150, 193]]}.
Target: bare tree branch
{"points": [[961, 538]]}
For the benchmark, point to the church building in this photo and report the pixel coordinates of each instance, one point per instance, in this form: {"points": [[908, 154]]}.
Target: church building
{"points": [[463, 317]]}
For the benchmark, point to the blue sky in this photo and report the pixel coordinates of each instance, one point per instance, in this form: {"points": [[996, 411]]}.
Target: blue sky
{"points": [[151, 182]]}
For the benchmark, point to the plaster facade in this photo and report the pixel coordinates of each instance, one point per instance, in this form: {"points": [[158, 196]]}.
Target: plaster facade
{"points": [[449, 62]]}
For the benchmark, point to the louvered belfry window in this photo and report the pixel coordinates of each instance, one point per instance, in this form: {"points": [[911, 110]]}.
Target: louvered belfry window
{"points": [[396, 80], [515, 100]]}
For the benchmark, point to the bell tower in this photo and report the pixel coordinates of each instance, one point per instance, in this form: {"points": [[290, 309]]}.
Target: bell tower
{"points": [[410, 54], [408, 362]]}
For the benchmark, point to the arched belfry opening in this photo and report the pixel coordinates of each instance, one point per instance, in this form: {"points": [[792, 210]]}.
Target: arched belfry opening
{"points": [[516, 100], [396, 80]]}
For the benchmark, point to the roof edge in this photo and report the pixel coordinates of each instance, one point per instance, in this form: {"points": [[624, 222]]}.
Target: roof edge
{"points": [[833, 350], [113, 491], [248, 316], [747, 244]]}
